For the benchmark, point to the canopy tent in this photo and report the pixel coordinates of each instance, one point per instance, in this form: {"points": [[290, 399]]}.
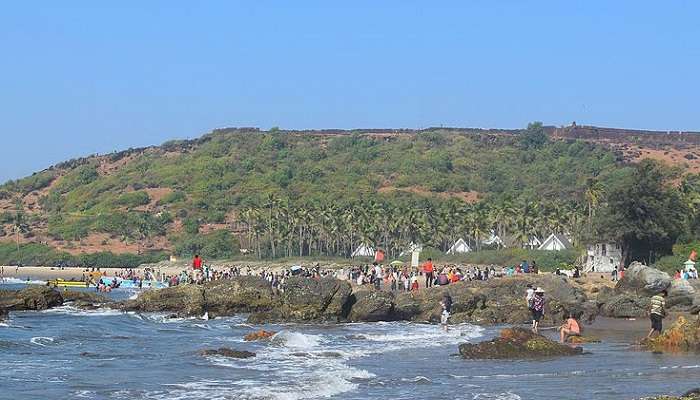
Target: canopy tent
{"points": [[363, 250], [556, 242], [459, 247]]}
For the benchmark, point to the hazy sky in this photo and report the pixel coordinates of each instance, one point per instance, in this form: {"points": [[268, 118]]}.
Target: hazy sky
{"points": [[84, 77]]}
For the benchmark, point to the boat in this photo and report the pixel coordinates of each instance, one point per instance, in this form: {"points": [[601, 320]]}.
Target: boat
{"points": [[63, 283]]}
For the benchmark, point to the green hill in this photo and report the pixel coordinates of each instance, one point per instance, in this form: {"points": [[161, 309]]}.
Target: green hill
{"points": [[289, 193]]}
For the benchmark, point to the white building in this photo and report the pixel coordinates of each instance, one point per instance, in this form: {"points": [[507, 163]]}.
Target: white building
{"points": [[556, 242], [602, 257], [363, 250], [459, 247]]}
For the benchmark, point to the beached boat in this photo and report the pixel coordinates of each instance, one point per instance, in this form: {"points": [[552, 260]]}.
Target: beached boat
{"points": [[63, 283]]}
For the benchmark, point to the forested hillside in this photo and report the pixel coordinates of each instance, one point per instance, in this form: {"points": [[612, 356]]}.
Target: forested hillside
{"points": [[283, 193]]}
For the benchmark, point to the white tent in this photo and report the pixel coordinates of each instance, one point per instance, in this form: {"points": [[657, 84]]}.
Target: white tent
{"points": [[363, 250], [556, 243], [460, 246]]}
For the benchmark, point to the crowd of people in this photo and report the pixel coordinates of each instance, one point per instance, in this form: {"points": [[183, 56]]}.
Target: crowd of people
{"points": [[400, 277]]}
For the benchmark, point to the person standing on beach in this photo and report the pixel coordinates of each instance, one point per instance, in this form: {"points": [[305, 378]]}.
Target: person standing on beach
{"points": [[446, 305], [537, 309], [529, 296], [657, 313], [428, 271]]}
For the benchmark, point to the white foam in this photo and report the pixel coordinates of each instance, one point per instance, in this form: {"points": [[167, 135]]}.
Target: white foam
{"points": [[17, 281], [72, 310], [496, 396], [41, 340]]}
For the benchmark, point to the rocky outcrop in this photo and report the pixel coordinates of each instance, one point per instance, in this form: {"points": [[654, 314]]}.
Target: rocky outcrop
{"points": [[226, 352], [302, 299], [625, 305], [644, 280], [683, 335], [259, 335], [372, 305], [693, 394], [183, 300], [30, 298], [630, 298], [84, 300], [517, 343]]}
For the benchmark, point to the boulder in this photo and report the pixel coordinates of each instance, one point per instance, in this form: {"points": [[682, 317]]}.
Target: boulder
{"points": [[84, 300], [680, 293], [259, 335], [183, 300], [625, 305], [643, 279], [30, 298], [3, 314], [683, 335], [226, 352], [242, 294], [371, 305], [517, 343]]}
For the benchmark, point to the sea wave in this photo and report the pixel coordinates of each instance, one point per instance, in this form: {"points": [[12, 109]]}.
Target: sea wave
{"points": [[17, 281]]}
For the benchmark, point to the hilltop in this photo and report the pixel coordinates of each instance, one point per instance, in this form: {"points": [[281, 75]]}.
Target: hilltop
{"points": [[213, 193]]}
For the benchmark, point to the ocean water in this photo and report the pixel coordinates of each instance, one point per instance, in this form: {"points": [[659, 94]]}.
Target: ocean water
{"points": [[106, 354]]}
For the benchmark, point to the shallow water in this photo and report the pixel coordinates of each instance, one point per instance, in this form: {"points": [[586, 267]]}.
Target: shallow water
{"points": [[106, 354]]}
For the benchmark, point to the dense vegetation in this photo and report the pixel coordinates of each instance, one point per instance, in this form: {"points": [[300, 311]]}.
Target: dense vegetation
{"points": [[39, 254], [283, 194]]}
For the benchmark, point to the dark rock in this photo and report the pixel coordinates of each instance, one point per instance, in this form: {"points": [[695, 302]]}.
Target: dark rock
{"points": [[3, 314], [242, 294], [226, 352], [30, 298], [84, 300], [517, 343], [184, 300], [370, 305], [625, 305]]}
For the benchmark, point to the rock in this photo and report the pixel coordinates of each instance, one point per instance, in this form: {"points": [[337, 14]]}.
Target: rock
{"points": [[683, 335], [517, 343], [371, 305], [643, 279], [625, 305], [183, 300], [681, 293], [689, 395], [3, 314], [259, 335], [242, 294], [84, 300], [582, 339], [226, 352], [30, 298]]}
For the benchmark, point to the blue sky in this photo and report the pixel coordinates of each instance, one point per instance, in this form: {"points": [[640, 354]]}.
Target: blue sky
{"points": [[83, 77]]}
